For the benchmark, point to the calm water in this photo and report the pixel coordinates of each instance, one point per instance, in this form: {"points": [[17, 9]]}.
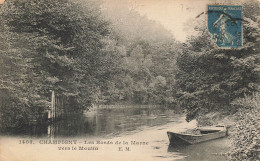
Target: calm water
{"points": [[132, 124], [103, 122]]}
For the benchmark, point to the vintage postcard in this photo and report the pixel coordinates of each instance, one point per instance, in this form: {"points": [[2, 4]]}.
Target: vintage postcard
{"points": [[129, 80]]}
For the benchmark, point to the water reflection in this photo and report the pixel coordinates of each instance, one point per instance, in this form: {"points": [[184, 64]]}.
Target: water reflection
{"points": [[102, 122]]}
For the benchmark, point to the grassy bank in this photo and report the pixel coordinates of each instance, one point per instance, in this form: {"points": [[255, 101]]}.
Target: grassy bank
{"points": [[244, 127], [246, 136]]}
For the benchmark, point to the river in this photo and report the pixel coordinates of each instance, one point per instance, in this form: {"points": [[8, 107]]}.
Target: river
{"points": [[117, 134]]}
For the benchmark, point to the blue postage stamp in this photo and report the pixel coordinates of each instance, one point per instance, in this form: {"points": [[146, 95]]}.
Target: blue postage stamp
{"points": [[225, 25]]}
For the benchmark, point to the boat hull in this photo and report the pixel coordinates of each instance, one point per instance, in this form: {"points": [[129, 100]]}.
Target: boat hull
{"points": [[178, 138]]}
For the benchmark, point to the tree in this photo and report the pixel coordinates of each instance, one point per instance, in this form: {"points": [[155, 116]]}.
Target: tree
{"points": [[209, 79], [149, 52], [49, 45]]}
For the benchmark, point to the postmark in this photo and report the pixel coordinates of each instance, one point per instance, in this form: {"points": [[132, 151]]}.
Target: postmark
{"points": [[225, 25]]}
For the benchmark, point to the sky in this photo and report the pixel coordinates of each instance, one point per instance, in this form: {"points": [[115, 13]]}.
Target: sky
{"points": [[174, 15]]}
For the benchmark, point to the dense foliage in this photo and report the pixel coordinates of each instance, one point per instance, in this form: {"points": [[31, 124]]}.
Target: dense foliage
{"points": [[48, 45], [209, 79], [145, 55], [139, 78], [247, 130]]}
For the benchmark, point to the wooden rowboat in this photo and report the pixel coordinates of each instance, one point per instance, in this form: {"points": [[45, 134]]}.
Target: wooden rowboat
{"points": [[202, 134]]}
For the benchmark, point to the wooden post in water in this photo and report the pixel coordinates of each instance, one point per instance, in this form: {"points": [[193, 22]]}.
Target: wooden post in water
{"points": [[49, 113], [62, 107], [57, 109], [53, 105]]}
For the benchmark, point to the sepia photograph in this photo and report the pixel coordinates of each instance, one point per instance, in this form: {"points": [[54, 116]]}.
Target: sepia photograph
{"points": [[129, 80]]}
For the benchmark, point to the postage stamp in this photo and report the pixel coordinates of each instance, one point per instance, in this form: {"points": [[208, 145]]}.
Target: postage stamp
{"points": [[225, 25]]}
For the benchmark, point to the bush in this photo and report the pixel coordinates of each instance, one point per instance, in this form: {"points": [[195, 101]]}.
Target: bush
{"points": [[246, 139]]}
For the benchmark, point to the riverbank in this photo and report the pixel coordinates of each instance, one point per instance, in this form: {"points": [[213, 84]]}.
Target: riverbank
{"points": [[243, 131]]}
